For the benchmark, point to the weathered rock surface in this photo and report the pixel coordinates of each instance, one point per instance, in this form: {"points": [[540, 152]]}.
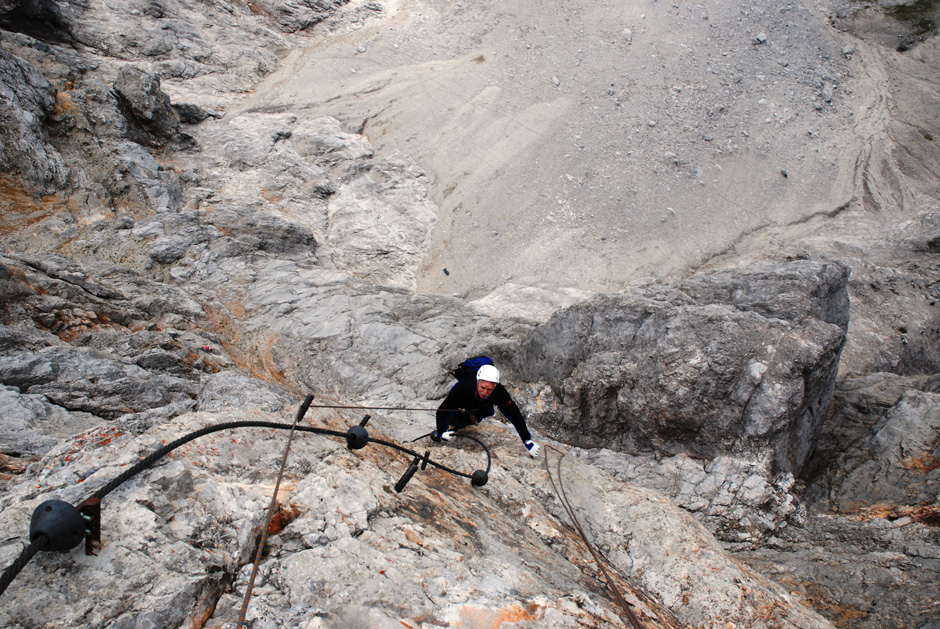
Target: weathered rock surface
{"points": [[84, 381], [155, 120], [886, 428], [42, 19], [297, 16], [32, 425], [530, 304], [740, 500], [739, 363], [858, 571], [906, 465], [280, 317], [174, 243], [26, 100], [350, 550]]}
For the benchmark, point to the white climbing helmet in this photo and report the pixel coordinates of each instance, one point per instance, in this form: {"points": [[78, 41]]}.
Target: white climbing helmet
{"points": [[488, 373]]}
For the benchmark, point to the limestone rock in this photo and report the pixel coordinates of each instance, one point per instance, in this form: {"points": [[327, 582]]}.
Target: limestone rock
{"points": [[68, 299], [42, 19], [32, 425], [228, 389], [154, 121], [380, 221], [795, 292], [84, 381], [697, 367], [298, 15], [346, 547], [27, 99], [903, 450], [140, 180], [533, 305], [740, 500], [274, 250], [844, 560], [890, 424], [258, 231]]}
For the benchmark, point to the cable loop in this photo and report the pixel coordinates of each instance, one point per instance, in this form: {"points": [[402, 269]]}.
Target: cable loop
{"points": [[563, 498]]}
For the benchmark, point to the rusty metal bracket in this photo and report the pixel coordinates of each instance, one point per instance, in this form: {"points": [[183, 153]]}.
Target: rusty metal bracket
{"points": [[91, 512]]}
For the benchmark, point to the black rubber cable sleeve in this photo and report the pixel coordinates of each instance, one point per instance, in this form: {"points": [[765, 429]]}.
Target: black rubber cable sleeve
{"points": [[158, 454], [30, 551]]}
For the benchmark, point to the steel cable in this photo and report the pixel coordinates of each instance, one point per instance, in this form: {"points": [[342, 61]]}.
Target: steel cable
{"points": [[158, 454], [20, 562], [263, 540], [563, 498], [30, 551], [383, 408]]}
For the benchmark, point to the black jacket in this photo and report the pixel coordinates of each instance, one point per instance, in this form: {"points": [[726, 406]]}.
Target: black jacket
{"points": [[463, 403]]}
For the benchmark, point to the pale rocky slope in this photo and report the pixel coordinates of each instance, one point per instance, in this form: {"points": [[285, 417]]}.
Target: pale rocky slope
{"points": [[211, 210]]}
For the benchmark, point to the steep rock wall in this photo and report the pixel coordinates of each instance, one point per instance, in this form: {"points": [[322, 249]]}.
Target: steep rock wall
{"points": [[737, 363]]}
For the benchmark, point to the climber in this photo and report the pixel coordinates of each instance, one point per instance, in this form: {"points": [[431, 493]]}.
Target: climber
{"points": [[472, 399]]}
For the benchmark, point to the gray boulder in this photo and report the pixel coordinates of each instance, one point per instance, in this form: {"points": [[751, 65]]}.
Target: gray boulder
{"points": [[192, 114], [153, 120], [793, 291], [86, 381], [32, 425], [898, 462], [258, 231], [710, 366], [298, 15]]}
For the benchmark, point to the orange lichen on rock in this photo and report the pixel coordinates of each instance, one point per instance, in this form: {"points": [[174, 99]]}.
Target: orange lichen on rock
{"points": [[284, 516], [922, 464], [63, 102], [20, 208], [481, 618]]}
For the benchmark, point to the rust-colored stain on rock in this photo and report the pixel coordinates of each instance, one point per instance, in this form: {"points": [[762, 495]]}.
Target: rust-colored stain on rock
{"points": [[480, 618]]}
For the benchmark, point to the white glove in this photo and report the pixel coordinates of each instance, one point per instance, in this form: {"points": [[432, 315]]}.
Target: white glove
{"points": [[446, 435]]}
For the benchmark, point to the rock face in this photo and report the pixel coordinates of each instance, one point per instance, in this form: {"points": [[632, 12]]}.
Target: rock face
{"points": [[176, 253], [348, 550], [42, 19], [737, 363], [890, 423], [154, 119], [906, 469], [27, 99]]}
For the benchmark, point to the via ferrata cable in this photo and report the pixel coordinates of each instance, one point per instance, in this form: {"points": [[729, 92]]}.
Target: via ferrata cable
{"points": [[478, 478], [563, 498], [272, 507]]}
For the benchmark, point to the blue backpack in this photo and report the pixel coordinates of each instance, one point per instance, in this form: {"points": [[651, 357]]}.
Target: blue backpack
{"points": [[470, 366]]}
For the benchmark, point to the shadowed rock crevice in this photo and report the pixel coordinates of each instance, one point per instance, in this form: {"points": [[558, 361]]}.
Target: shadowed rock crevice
{"points": [[41, 19], [152, 119]]}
